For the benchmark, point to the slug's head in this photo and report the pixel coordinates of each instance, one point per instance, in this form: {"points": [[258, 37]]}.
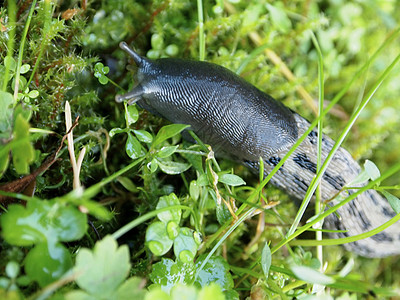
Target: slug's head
{"points": [[144, 66]]}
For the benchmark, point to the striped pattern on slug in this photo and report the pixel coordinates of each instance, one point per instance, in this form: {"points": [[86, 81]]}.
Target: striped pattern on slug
{"points": [[238, 119]]}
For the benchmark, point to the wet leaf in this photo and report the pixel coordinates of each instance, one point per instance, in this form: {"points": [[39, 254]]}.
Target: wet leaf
{"points": [[143, 136], [131, 114], [215, 270], [172, 167], [157, 238], [166, 151], [185, 245], [171, 214], [41, 221], [133, 147], [168, 273]]}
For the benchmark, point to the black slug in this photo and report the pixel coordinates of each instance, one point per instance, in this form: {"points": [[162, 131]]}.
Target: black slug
{"points": [[238, 119]]}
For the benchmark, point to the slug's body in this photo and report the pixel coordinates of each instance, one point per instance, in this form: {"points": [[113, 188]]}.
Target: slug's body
{"points": [[237, 119]]}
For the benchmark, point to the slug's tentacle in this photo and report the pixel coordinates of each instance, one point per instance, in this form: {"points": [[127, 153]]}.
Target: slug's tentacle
{"points": [[241, 121], [139, 60]]}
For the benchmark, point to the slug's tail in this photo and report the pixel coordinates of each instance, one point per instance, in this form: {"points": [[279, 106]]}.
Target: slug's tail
{"points": [[368, 211]]}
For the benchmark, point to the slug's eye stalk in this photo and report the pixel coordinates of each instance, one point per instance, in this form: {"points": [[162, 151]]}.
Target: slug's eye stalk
{"points": [[141, 62], [136, 57], [135, 95]]}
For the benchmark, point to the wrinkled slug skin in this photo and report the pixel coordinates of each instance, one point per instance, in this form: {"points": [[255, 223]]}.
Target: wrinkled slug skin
{"points": [[239, 120]]}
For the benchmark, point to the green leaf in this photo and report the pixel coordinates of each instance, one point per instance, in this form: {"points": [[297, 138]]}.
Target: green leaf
{"points": [[172, 214], [25, 68], [133, 147], [78, 295], [47, 262], [33, 94], [12, 269], [157, 294], [131, 114], [143, 136], [222, 212], [131, 289], [393, 201], [10, 62], [168, 273], [172, 167], [103, 79], [185, 245], [372, 170], [361, 178], [4, 160], [127, 183], [184, 292], [23, 154], [212, 291], [167, 132], [266, 260], [86, 205], [6, 114], [172, 230], [312, 276], [153, 165], [166, 151], [215, 270], [42, 221], [68, 223], [102, 270], [115, 131], [279, 18], [194, 190], [157, 238], [231, 179]]}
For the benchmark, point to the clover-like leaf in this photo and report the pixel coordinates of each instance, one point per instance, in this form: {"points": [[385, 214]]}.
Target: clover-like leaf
{"points": [[102, 270], [171, 214], [157, 238], [185, 245]]}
